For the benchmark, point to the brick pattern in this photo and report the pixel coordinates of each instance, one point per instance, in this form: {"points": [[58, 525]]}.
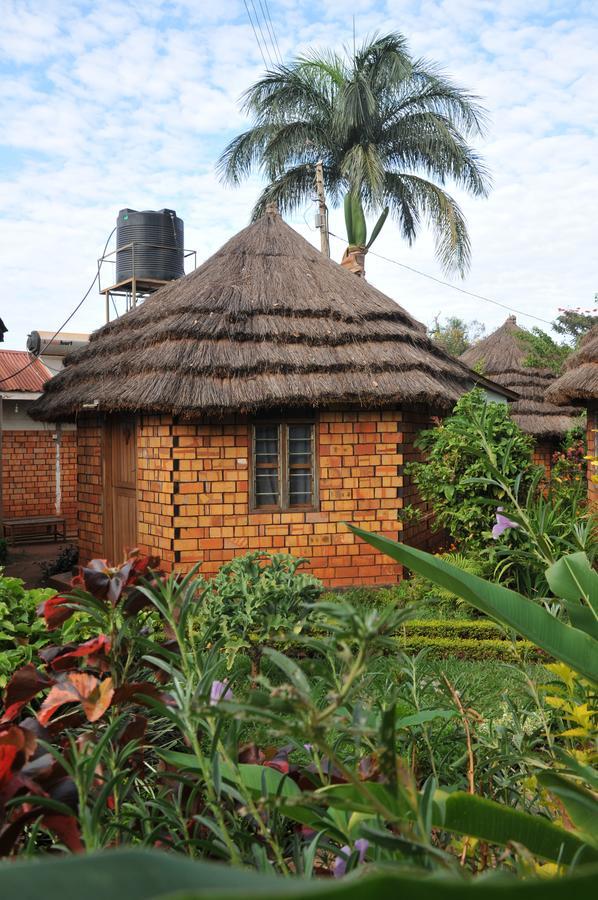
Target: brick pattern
{"points": [[542, 455], [359, 462], [90, 490], [29, 475], [156, 440], [592, 441], [418, 532], [193, 495]]}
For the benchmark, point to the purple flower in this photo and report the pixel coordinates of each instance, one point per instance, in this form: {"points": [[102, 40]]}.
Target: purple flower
{"points": [[340, 864], [220, 691], [502, 524]]}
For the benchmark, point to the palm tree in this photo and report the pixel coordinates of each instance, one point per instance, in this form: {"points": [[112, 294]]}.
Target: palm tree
{"points": [[390, 131]]}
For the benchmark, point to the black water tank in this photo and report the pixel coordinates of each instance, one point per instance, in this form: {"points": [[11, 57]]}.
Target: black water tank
{"points": [[158, 236]]}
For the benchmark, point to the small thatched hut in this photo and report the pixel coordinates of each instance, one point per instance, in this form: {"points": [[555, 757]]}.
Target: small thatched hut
{"points": [[256, 403], [579, 384], [501, 356]]}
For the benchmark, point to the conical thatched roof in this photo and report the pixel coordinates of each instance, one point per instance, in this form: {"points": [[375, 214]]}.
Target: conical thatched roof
{"points": [[579, 381], [501, 356], [266, 322]]}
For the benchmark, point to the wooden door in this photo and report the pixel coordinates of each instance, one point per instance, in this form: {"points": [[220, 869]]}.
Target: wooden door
{"points": [[120, 488]]}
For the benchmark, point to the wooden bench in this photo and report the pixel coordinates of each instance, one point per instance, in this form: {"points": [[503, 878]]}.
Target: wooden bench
{"points": [[34, 528]]}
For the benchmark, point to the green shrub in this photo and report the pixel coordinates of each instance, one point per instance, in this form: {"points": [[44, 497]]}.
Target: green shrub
{"points": [[466, 648], [455, 459], [255, 598], [22, 632]]}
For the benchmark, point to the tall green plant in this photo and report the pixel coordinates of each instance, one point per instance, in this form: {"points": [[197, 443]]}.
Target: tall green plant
{"points": [[476, 440], [575, 583], [390, 130]]}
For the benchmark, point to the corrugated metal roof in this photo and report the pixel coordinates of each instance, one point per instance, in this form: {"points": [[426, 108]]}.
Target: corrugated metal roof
{"points": [[31, 379]]}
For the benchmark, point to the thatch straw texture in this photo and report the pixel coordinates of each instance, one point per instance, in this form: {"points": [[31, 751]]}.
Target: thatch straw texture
{"points": [[579, 381], [265, 322], [501, 356]]}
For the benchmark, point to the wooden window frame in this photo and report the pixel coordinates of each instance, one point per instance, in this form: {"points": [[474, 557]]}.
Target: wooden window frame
{"points": [[282, 424]]}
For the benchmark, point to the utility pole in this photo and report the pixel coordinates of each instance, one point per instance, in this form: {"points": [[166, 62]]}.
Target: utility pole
{"points": [[322, 219]]}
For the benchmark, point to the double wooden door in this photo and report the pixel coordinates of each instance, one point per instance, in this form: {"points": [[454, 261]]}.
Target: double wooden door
{"points": [[120, 488]]}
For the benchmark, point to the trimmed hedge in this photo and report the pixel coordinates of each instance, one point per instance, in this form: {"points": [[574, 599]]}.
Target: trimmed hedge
{"points": [[467, 648], [463, 638], [462, 628]]}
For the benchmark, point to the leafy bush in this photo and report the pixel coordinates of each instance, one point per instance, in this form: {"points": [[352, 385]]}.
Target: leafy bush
{"points": [[22, 632], [142, 743], [255, 598], [566, 773], [456, 460]]}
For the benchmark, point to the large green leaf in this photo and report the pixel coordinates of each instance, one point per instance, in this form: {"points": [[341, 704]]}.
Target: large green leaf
{"points": [[581, 804], [573, 579], [476, 817], [151, 875], [570, 645], [255, 778]]}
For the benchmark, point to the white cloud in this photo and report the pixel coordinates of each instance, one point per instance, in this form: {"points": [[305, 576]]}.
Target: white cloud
{"points": [[129, 104]]}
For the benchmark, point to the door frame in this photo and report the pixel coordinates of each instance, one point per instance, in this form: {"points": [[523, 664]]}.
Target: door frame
{"points": [[110, 552]]}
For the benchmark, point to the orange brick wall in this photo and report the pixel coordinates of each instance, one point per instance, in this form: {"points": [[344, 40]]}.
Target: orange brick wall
{"points": [[155, 480], [418, 532], [592, 440], [542, 455], [359, 481], [193, 495], [89, 490], [29, 475]]}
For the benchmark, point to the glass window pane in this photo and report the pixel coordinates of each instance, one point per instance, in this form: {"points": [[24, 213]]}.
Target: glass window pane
{"points": [[266, 457], [300, 487]]}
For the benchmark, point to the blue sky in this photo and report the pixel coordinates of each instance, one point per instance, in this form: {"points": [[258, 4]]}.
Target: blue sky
{"points": [[111, 104]]}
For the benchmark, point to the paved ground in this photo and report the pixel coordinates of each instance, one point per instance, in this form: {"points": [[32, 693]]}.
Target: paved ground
{"points": [[24, 561]]}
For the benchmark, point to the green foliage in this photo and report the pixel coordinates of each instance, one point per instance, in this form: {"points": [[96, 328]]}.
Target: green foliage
{"points": [[466, 648], [356, 225], [146, 740], [456, 461], [149, 875], [22, 633], [456, 335], [254, 599], [543, 352], [574, 324], [390, 130]]}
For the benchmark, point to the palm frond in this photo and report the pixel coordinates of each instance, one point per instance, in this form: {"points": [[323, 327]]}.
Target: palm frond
{"points": [[244, 153], [430, 143], [364, 172], [289, 191], [443, 214], [428, 89]]}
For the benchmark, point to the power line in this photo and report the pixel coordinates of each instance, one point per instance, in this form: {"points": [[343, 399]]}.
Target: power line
{"points": [[447, 284], [68, 319], [271, 30], [255, 34], [262, 35]]}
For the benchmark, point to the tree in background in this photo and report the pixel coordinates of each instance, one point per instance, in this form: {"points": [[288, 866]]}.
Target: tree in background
{"points": [[389, 130], [546, 353], [543, 352], [574, 324], [456, 335]]}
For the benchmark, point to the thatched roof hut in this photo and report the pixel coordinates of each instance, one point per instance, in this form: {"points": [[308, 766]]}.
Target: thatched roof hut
{"points": [[266, 322], [501, 356], [579, 381]]}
